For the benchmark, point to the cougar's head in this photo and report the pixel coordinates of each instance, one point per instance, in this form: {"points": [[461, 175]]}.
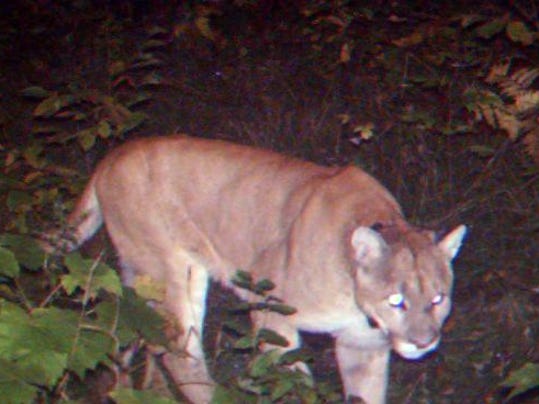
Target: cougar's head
{"points": [[403, 282]]}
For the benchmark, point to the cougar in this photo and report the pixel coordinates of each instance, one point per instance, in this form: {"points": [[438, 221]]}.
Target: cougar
{"points": [[180, 210]]}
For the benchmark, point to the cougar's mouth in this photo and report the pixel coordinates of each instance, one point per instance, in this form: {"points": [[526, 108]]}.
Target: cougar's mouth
{"points": [[411, 351]]}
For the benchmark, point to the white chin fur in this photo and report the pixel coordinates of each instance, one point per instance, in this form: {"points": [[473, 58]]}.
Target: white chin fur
{"points": [[411, 351]]}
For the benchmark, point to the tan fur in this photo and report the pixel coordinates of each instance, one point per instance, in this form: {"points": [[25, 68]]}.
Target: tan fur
{"points": [[182, 210]]}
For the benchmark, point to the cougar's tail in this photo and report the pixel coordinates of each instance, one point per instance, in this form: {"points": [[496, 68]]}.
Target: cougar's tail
{"points": [[81, 224]]}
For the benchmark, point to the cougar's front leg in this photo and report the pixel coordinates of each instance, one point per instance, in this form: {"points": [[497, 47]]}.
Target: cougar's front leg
{"points": [[186, 300], [363, 372]]}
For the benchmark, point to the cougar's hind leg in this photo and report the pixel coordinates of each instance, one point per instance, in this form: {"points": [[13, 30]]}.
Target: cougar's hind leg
{"points": [[187, 285]]}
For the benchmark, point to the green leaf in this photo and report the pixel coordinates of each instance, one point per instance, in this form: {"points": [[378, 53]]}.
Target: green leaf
{"points": [[78, 275], [243, 280], [223, 395], [35, 92], [26, 249], [246, 342], [131, 396], [146, 60], [264, 363], [52, 105], [239, 327], [250, 385], [518, 32], [204, 27], [132, 121], [282, 388], [136, 315], [103, 129], [243, 276], [272, 337], [116, 69], [489, 29], [523, 379], [35, 348], [468, 20], [149, 288], [31, 155], [85, 343], [293, 356], [92, 347], [42, 367], [157, 30], [16, 200], [90, 274], [13, 386], [282, 309], [482, 150], [152, 44], [139, 98], [264, 285], [86, 138], [242, 307], [8, 263]]}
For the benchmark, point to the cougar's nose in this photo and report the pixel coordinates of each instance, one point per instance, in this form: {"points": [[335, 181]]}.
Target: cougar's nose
{"points": [[425, 338]]}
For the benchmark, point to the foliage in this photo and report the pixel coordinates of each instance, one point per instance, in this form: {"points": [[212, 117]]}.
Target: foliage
{"points": [[522, 379], [69, 323], [130, 396], [272, 375], [100, 114], [517, 115]]}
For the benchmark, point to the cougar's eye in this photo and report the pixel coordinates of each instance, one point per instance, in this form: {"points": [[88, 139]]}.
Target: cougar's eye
{"points": [[396, 300], [438, 299]]}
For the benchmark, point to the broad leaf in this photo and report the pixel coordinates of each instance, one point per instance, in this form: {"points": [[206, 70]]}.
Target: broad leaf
{"points": [[13, 386], [35, 92], [131, 396], [90, 275], [282, 387], [17, 199], [52, 105], [263, 363], [34, 347], [86, 138], [246, 342], [8, 263], [293, 356], [264, 285], [518, 32], [137, 316], [282, 309], [523, 379], [132, 121], [26, 249], [271, 337], [489, 29], [223, 395], [86, 343]]}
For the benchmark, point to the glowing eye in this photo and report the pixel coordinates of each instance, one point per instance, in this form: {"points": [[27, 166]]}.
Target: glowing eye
{"points": [[437, 299], [396, 300]]}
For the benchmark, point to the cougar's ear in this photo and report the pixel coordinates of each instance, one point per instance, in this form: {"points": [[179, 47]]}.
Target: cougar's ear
{"points": [[451, 243], [368, 245]]}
